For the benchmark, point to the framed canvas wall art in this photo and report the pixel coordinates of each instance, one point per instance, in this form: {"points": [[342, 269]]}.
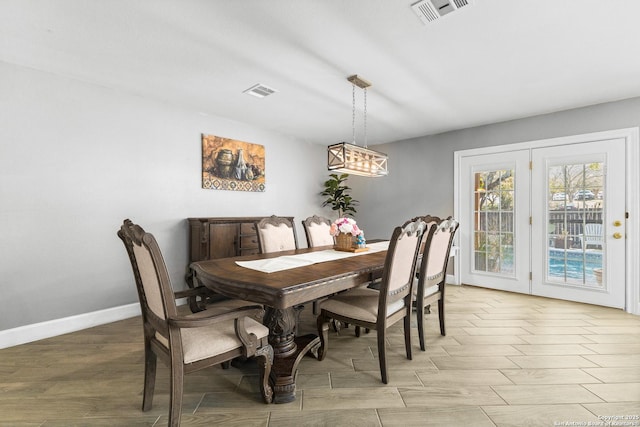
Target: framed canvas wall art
{"points": [[229, 164]]}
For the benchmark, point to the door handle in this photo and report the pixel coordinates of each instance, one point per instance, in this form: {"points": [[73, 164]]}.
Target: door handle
{"points": [[617, 235]]}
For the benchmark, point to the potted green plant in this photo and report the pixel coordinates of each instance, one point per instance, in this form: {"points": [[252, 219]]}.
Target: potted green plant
{"points": [[337, 195]]}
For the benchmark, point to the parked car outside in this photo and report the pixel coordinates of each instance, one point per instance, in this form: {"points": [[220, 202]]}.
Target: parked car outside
{"points": [[584, 195], [558, 197], [564, 206]]}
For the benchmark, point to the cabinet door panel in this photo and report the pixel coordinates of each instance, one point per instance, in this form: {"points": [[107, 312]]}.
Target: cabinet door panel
{"points": [[223, 240]]}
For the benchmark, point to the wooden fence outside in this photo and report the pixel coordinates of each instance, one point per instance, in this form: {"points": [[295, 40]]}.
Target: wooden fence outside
{"points": [[562, 224]]}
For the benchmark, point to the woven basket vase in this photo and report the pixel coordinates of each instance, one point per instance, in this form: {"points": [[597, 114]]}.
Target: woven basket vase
{"points": [[344, 241]]}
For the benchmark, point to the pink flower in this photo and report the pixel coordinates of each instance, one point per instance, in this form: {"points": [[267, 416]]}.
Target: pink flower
{"points": [[346, 226]]}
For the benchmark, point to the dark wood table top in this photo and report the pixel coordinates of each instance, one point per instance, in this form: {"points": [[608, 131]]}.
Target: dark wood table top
{"points": [[287, 288]]}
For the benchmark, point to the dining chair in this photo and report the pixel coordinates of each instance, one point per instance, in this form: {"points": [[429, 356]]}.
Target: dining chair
{"points": [[275, 234], [429, 286], [193, 341], [379, 309], [316, 230]]}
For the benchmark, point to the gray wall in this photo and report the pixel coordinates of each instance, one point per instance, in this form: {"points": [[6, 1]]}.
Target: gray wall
{"points": [[420, 177], [76, 159]]}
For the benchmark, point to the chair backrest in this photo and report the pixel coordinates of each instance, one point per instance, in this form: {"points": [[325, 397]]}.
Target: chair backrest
{"points": [[399, 267], [316, 229], [429, 220], [593, 234], [152, 279], [276, 234], [436, 254]]}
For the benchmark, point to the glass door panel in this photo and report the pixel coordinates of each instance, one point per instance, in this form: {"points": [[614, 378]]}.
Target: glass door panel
{"points": [[575, 222], [494, 227], [493, 195]]}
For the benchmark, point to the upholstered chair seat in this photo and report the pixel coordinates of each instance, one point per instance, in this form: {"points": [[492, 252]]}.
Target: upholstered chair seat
{"points": [[200, 343], [361, 303]]}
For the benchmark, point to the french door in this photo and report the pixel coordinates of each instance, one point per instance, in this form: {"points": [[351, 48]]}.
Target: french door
{"points": [[546, 221], [578, 227], [494, 223]]}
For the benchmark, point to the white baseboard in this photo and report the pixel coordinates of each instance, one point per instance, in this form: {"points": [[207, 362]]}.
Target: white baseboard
{"points": [[452, 280], [52, 328]]}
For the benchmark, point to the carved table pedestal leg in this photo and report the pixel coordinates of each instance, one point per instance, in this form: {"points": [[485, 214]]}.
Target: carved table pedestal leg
{"points": [[288, 351]]}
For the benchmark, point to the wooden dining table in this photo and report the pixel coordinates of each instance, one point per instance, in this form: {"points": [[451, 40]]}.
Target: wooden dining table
{"points": [[282, 293]]}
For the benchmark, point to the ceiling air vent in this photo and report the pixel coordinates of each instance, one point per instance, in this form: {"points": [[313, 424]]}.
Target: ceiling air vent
{"points": [[259, 90], [431, 10]]}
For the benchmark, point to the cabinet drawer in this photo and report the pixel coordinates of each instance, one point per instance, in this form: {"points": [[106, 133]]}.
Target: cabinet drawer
{"points": [[248, 242], [247, 228], [249, 251]]}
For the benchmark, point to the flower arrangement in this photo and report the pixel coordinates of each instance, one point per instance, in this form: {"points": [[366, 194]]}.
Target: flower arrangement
{"points": [[345, 230], [346, 226]]}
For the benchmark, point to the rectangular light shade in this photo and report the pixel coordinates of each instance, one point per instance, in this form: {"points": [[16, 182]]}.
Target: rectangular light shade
{"points": [[355, 160]]}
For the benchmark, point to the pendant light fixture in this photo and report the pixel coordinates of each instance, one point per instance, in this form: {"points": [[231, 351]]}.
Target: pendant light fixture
{"points": [[351, 158]]}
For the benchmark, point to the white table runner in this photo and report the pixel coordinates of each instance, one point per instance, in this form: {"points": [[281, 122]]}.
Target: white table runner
{"points": [[287, 262]]}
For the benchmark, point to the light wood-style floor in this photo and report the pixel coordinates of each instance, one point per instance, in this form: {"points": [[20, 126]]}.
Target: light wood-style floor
{"points": [[507, 360]]}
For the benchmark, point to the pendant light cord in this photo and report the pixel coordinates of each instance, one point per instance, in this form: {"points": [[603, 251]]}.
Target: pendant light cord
{"points": [[365, 117], [353, 112]]}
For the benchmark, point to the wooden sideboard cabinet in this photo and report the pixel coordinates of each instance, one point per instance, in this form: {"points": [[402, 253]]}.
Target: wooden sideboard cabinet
{"points": [[219, 237]]}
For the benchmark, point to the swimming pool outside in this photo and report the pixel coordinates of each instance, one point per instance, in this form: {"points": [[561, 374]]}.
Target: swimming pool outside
{"points": [[573, 266], [580, 267]]}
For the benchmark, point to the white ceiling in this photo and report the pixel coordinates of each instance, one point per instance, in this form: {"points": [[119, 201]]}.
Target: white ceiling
{"points": [[492, 61]]}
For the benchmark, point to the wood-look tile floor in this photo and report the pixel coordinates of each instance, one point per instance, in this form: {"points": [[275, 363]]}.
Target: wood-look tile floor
{"points": [[507, 360]]}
